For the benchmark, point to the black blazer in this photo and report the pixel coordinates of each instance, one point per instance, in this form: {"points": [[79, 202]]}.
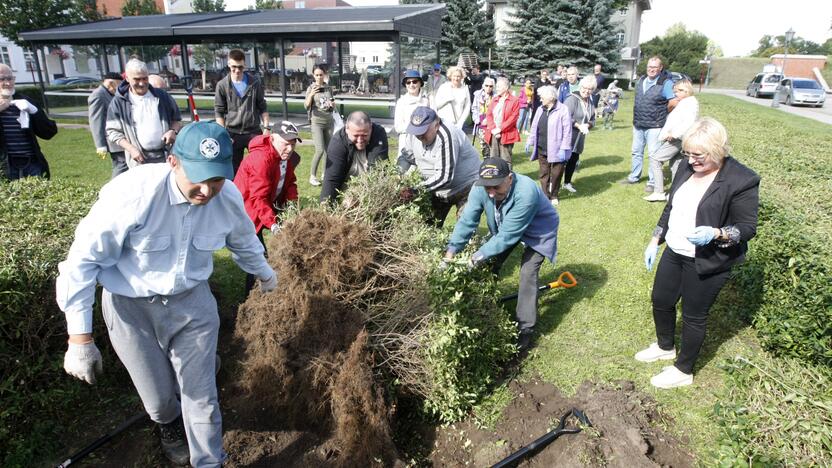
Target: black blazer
{"points": [[731, 201], [339, 158]]}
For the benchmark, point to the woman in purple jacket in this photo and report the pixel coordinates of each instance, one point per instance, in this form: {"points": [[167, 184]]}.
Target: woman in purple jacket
{"points": [[550, 141]]}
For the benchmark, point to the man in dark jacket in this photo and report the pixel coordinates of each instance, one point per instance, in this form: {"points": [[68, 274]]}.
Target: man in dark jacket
{"points": [[99, 102], [649, 114], [142, 119], [353, 150], [240, 105], [20, 123]]}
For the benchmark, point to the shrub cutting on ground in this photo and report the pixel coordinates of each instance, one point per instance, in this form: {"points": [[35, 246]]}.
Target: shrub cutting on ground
{"points": [[362, 314]]}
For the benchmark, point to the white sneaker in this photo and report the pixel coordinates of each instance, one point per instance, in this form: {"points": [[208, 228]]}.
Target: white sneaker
{"points": [[314, 181], [554, 202], [570, 188], [655, 197], [671, 377], [654, 353]]}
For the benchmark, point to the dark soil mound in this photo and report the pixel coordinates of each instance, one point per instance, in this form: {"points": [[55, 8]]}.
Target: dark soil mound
{"points": [[306, 368], [626, 431]]}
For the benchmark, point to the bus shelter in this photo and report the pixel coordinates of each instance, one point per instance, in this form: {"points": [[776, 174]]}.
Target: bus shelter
{"points": [[364, 49]]}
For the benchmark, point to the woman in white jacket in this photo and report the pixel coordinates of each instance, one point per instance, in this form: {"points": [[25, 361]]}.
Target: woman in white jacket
{"points": [[678, 122], [452, 102], [411, 99]]}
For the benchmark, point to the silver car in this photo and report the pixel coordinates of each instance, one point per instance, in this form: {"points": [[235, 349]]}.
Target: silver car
{"points": [[801, 91], [764, 84]]}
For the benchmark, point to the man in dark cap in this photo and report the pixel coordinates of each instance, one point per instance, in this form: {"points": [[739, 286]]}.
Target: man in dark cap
{"points": [[149, 240], [516, 210], [99, 102]]}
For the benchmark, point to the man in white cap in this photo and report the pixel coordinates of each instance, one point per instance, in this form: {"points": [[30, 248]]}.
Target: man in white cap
{"points": [[149, 240]]}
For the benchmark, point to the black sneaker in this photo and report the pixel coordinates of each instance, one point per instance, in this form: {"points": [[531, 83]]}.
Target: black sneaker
{"points": [[524, 341], [174, 443]]}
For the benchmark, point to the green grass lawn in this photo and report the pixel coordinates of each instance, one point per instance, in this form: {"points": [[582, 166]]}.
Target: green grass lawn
{"points": [[586, 333]]}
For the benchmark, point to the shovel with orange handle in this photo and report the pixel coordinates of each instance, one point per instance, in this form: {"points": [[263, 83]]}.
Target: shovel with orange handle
{"points": [[565, 280]]}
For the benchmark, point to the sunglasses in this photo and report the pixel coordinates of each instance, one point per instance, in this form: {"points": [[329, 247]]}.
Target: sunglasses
{"points": [[409, 82]]}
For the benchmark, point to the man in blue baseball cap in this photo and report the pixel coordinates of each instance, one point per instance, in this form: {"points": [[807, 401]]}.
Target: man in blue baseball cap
{"points": [[149, 241]]}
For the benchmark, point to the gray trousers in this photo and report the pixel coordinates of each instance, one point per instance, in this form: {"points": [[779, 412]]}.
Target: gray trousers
{"points": [[499, 150], [321, 134], [168, 343], [667, 151], [526, 312]]}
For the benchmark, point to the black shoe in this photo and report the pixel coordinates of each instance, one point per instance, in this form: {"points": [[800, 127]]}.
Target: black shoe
{"points": [[524, 341], [174, 444]]}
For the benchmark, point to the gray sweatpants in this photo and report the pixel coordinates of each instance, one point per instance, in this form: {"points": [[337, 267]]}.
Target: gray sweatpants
{"points": [[667, 151], [321, 135], [168, 343], [526, 312]]}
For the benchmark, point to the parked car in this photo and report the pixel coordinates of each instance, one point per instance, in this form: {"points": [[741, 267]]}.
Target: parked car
{"points": [[801, 91], [680, 76], [80, 81], [764, 84]]}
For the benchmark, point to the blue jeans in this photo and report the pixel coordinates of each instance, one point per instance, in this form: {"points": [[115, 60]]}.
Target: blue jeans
{"points": [[642, 137], [521, 120]]}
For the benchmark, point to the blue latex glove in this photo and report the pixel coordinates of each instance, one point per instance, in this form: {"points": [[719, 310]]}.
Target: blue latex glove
{"points": [[702, 235], [650, 256], [562, 155]]}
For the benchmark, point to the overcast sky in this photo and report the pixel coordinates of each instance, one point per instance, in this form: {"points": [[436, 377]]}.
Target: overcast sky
{"points": [[736, 25]]}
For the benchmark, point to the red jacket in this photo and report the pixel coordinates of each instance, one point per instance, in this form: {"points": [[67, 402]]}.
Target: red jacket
{"points": [[258, 178], [511, 111]]}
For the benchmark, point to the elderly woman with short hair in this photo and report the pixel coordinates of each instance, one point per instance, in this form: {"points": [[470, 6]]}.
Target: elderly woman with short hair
{"points": [[582, 112], [452, 100], [550, 141], [708, 220], [410, 100]]}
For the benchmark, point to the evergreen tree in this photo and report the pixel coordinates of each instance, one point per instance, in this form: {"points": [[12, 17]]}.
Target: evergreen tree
{"points": [[465, 29], [527, 49], [602, 37], [208, 6]]}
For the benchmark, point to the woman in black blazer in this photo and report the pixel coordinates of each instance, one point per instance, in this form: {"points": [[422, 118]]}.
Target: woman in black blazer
{"points": [[710, 216]]}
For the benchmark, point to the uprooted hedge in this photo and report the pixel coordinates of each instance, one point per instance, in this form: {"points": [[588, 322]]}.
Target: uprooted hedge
{"points": [[37, 222]]}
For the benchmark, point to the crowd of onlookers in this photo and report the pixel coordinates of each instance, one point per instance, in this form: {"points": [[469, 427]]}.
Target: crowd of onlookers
{"points": [[149, 238]]}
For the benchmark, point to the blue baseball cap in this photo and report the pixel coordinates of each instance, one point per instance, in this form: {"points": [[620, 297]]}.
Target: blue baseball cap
{"points": [[420, 120], [437, 66], [204, 149]]}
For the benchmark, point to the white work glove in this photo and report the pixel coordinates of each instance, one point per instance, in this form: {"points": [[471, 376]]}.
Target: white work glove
{"points": [[25, 105], [83, 361], [275, 229], [268, 284]]}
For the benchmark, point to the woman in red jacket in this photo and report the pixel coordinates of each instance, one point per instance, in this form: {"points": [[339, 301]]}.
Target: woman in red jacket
{"points": [[266, 178], [501, 121]]}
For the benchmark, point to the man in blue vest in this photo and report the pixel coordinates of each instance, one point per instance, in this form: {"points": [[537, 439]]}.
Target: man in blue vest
{"points": [[649, 114]]}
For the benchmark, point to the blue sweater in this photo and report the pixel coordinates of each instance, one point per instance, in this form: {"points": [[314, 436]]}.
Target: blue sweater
{"points": [[526, 216]]}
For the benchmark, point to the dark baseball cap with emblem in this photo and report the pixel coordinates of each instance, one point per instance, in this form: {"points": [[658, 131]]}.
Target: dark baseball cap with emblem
{"points": [[204, 149], [493, 171], [420, 120], [287, 130]]}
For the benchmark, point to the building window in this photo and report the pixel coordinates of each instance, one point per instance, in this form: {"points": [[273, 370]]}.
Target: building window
{"points": [[375, 58], [623, 11], [29, 57], [363, 59], [621, 38], [5, 56], [300, 4]]}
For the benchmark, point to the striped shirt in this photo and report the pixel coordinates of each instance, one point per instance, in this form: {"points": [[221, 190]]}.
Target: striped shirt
{"points": [[19, 148]]}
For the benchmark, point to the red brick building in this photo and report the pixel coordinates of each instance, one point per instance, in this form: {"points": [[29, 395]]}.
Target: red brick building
{"points": [[799, 66]]}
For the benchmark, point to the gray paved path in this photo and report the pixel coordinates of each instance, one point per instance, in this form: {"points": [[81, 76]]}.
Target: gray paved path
{"points": [[823, 114]]}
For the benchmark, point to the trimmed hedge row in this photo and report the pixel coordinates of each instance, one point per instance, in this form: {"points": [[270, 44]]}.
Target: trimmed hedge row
{"points": [[37, 222], [787, 280]]}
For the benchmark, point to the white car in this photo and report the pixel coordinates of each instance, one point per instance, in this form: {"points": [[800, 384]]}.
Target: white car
{"points": [[764, 84]]}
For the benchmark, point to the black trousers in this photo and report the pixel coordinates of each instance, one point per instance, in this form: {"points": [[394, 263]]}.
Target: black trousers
{"points": [[570, 167], [676, 278], [440, 207], [240, 143]]}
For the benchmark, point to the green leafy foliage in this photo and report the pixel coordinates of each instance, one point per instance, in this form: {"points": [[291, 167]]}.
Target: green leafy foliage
{"points": [[28, 15], [680, 50], [774, 412], [37, 221]]}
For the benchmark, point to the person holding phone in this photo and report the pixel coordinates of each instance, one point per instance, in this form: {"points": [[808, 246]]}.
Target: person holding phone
{"points": [[319, 104]]}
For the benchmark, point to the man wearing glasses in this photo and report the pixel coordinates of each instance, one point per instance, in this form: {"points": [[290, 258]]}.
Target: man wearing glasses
{"points": [[649, 115], [20, 122], [240, 105]]}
